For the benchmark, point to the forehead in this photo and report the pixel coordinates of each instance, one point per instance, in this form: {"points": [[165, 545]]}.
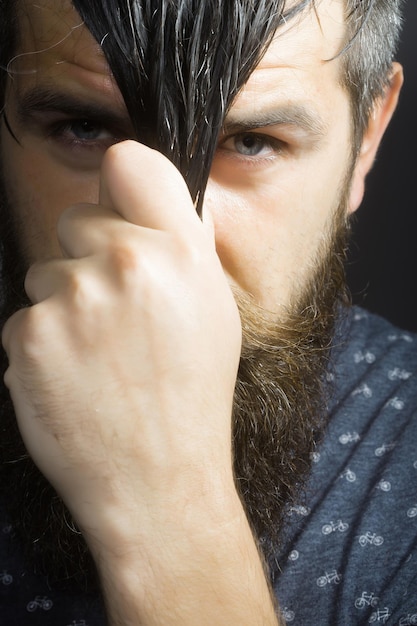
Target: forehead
{"points": [[51, 32], [53, 42], [54, 48], [302, 57]]}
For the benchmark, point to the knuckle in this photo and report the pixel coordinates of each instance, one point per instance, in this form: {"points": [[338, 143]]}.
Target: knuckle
{"points": [[125, 257], [85, 295], [32, 275], [192, 254], [64, 217], [26, 338], [79, 288]]}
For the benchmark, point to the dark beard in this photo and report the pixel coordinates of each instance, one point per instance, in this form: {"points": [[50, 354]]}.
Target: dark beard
{"points": [[279, 415], [280, 404]]}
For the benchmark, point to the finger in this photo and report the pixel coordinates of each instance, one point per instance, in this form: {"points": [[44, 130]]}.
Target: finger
{"points": [[83, 229], [10, 330], [88, 230], [43, 280], [145, 188]]}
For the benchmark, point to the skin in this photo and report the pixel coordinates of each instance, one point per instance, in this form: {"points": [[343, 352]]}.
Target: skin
{"points": [[148, 431], [258, 209]]}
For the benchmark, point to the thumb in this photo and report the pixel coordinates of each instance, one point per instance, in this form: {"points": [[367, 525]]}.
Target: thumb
{"points": [[145, 188]]}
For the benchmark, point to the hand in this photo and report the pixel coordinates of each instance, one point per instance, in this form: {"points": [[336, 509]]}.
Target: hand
{"points": [[122, 375], [122, 372]]}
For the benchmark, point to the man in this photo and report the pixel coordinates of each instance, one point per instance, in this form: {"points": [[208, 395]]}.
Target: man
{"points": [[162, 304]]}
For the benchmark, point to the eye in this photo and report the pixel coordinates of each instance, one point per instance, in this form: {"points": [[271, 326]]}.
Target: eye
{"points": [[81, 143], [82, 131], [87, 130], [251, 145]]}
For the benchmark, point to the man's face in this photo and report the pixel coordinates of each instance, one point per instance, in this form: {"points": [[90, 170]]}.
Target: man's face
{"points": [[278, 172], [277, 188]]}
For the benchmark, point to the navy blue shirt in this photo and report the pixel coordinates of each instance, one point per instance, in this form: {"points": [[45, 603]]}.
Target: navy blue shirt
{"points": [[349, 554]]}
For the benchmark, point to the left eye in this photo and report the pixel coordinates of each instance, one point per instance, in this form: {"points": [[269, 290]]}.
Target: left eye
{"points": [[250, 145]]}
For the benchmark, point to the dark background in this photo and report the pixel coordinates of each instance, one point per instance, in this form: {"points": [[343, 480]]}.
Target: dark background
{"points": [[382, 266]]}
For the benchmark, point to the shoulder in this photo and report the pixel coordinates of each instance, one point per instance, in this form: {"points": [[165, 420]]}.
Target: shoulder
{"points": [[374, 364], [359, 522], [364, 341]]}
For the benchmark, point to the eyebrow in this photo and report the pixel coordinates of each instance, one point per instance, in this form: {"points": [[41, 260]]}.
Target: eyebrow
{"points": [[289, 115], [43, 99]]}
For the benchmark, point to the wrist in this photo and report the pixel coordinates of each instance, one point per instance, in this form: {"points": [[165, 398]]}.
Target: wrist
{"points": [[167, 572]]}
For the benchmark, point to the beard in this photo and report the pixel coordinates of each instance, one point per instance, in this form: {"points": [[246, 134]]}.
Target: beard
{"points": [[278, 418], [282, 390]]}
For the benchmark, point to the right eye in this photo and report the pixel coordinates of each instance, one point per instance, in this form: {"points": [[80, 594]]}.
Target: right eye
{"points": [[82, 131], [81, 143]]}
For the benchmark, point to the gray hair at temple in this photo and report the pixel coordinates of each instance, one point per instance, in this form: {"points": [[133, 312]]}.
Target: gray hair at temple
{"points": [[180, 63]]}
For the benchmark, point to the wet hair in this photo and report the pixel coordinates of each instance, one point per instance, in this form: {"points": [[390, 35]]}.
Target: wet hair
{"points": [[8, 41], [179, 64]]}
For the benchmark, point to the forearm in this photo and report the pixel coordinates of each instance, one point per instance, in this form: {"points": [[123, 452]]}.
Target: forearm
{"points": [[189, 575], [133, 428]]}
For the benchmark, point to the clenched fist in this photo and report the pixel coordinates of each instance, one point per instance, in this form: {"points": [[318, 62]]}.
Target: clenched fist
{"points": [[122, 376]]}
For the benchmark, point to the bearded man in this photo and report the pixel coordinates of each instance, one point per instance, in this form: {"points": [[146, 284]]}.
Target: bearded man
{"points": [[177, 180]]}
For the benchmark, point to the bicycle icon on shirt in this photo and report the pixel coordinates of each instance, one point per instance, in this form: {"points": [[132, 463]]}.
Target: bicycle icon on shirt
{"points": [[288, 615], [327, 578], [412, 512], [366, 599], [408, 620], [332, 527], [6, 578], [39, 602], [371, 538], [380, 616]]}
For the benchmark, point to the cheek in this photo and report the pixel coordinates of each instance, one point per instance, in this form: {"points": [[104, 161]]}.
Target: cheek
{"points": [[38, 191], [241, 225], [267, 238]]}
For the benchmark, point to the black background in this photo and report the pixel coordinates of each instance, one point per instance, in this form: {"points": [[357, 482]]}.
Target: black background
{"points": [[382, 266]]}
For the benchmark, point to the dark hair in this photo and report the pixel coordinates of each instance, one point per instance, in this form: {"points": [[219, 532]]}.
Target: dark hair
{"points": [[179, 64], [8, 41], [372, 34]]}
